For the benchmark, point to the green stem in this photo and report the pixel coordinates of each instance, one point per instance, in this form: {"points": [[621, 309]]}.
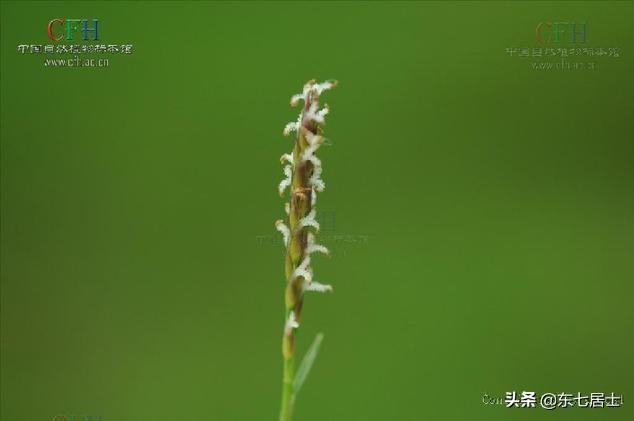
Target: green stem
{"points": [[288, 398]]}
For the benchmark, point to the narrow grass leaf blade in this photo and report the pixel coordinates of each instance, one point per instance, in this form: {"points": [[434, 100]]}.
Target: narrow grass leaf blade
{"points": [[307, 363]]}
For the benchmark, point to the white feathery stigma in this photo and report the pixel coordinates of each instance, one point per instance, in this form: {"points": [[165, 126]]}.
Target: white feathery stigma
{"points": [[286, 232], [312, 87], [309, 220], [291, 323], [296, 98], [318, 88], [313, 247], [315, 180], [309, 155], [313, 115], [324, 111], [288, 172], [304, 270], [287, 157], [291, 127], [317, 287]]}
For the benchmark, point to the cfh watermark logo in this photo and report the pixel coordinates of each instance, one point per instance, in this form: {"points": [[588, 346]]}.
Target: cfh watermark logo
{"points": [[339, 242], [562, 45], [561, 32], [74, 43], [60, 29], [63, 417]]}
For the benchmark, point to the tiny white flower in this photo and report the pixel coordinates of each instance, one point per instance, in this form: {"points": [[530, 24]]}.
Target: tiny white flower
{"points": [[315, 179], [303, 270], [311, 138], [309, 220], [288, 172], [287, 208], [314, 142], [324, 111], [286, 232], [314, 88], [309, 156], [317, 287], [308, 86], [312, 115], [291, 323], [296, 98], [318, 184], [316, 165], [291, 127], [318, 88], [287, 157], [313, 247]]}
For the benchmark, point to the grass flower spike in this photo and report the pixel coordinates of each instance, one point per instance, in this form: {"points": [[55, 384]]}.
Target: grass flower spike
{"points": [[302, 171]]}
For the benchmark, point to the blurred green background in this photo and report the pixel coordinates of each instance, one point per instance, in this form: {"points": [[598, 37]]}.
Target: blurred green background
{"points": [[480, 212]]}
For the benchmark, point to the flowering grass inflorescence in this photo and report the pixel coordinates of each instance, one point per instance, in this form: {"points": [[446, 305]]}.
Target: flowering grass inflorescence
{"points": [[302, 172]]}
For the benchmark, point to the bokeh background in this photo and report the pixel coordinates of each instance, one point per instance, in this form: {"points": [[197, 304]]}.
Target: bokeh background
{"points": [[480, 212]]}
